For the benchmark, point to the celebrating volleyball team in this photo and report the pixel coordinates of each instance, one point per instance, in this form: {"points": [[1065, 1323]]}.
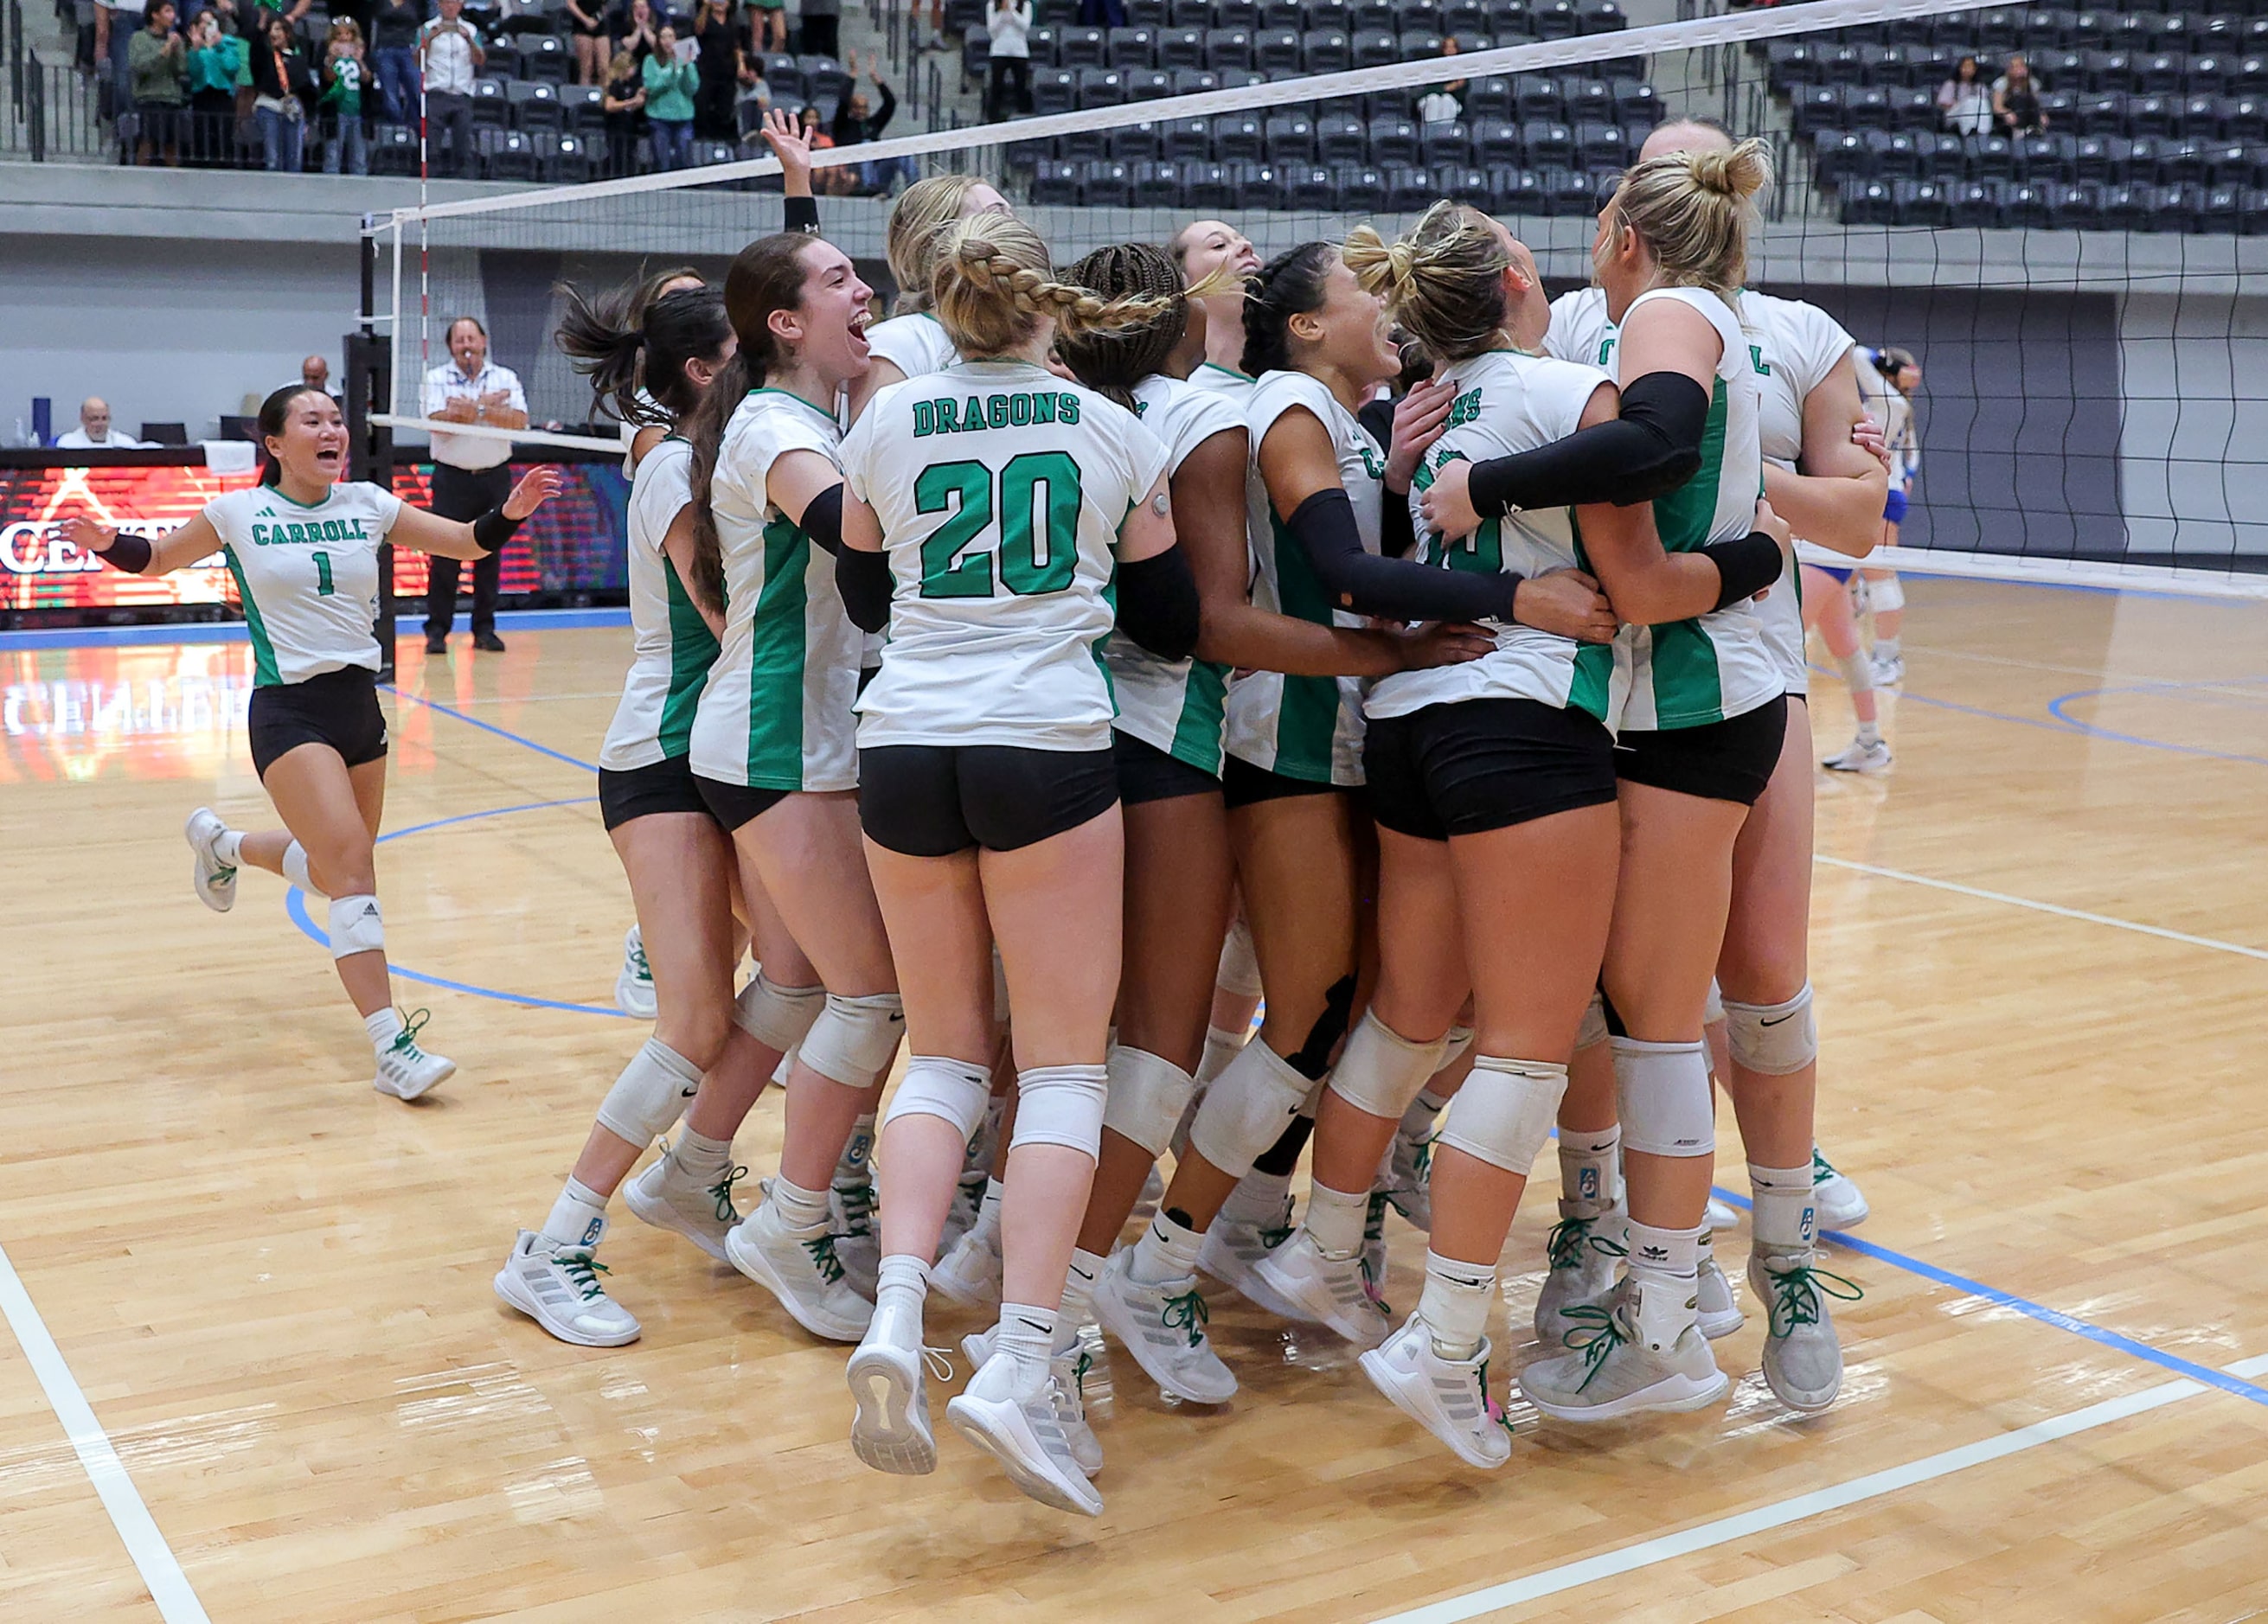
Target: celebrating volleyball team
{"points": [[1027, 681]]}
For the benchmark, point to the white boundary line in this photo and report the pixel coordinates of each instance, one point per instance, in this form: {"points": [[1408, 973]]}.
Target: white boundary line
{"points": [[2060, 911], [2186, 581], [161, 1572], [1724, 1530]]}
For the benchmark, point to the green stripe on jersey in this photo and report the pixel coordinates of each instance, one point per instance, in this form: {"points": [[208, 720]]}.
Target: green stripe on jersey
{"points": [[1685, 517], [692, 651], [775, 662], [1197, 734], [1688, 690], [1308, 718], [1586, 687], [264, 673]]}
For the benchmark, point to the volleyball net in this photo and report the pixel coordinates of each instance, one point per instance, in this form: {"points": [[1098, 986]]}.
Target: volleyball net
{"points": [[2088, 314]]}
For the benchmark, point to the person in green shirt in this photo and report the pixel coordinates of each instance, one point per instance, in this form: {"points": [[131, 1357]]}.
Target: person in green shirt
{"points": [[669, 87], [156, 69], [216, 58], [345, 79]]}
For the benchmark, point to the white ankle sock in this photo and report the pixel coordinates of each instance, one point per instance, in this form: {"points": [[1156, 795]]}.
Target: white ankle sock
{"points": [[799, 1209], [1334, 1219], [1673, 1253], [1887, 648], [1785, 1212], [1028, 1336], [1166, 1251], [1591, 1167], [383, 1027], [1454, 1305], [700, 1158], [578, 1217], [228, 847], [988, 1211], [906, 1274], [1870, 733]]}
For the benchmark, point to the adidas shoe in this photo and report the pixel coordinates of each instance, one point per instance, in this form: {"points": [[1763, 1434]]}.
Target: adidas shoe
{"points": [[889, 1428], [1232, 1253], [1373, 1252], [1871, 758], [1890, 669], [1582, 1253], [1020, 1429], [215, 881], [558, 1288], [1721, 1219], [1447, 1397], [1837, 1202], [1163, 1327], [970, 1273], [1610, 1373], [665, 1197], [1329, 1290], [634, 982], [405, 1070], [1718, 1312], [799, 1267], [1803, 1357], [1067, 1390]]}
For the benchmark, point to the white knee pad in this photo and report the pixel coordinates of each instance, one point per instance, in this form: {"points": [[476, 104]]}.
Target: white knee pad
{"points": [[1240, 966], [1593, 1032], [651, 1095], [1858, 672], [934, 1085], [1713, 1010], [1455, 1047], [295, 869], [855, 1039], [1147, 1097], [1504, 1114], [357, 926], [1662, 1092], [1381, 1071], [1061, 1105], [776, 1016], [1773, 1040], [1248, 1108], [1884, 596]]}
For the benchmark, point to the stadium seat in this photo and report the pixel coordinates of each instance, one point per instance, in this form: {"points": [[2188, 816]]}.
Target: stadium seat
{"points": [[1195, 80], [501, 60], [1790, 63], [1496, 140], [1941, 154], [2026, 203], [1276, 15], [976, 53], [1361, 188], [503, 154], [583, 108], [1042, 42], [1276, 52], [1840, 156], [1054, 90], [1974, 203], [1867, 202], [1188, 13], [1243, 14], [2200, 116], [1600, 17], [534, 105], [1371, 16], [1569, 192], [1917, 203], [1375, 48], [1291, 139], [1131, 143], [563, 159], [1417, 16], [546, 56], [1101, 87], [1147, 13], [1817, 108], [2244, 118], [2048, 156], [1588, 99], [1182, 48], [825, 78], [2074, 207], [1546, 143], [1517, 189], [1890, 156], [1161, 184], [1553, 19], [1341, 138], [1082, 48], [2044, 29], [2126, 207], [2106, 70], [2165, 74], [1227, 48], [2219, 209], [1148, 84], [1464, 185], [491, 105], [393, 150], [1310, 187], [1185, 141], [1463, 19], [1418, 44], [2151, 115], [1130, 47], [1490, 98], [1866, 106], [1537, 97], [1238, 137], [1509, 16], [2091, 159], [1207, 186], [1913, 107], [2228, 164], [1055, 181], [1391, 141], [2101, 113], [1258, 186], [1636, 103], [1600, 145], [1105, 183], [1325, 50]]}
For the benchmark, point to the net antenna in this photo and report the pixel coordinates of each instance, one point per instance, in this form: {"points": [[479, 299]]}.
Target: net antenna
{"points": [[2092, 412]]}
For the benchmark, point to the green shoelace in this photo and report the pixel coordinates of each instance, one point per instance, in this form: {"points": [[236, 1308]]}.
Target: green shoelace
{"points": [[822, 1254], [1795, 1295], [1275, 1235], [1421, 1163], [1564, 1247], [1490, 1408], [405, 1041], [857, 1202], [1188, 1313], [639, 969], [1605, 1334], [727, 1213], [1822, 1169], [582, 1269]]}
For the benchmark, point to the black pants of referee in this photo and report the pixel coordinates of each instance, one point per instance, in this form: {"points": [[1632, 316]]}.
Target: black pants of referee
{"points": [[465, 494]]}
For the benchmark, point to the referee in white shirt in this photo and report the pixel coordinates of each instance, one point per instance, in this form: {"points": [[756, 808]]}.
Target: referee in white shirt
{"points": [[471, 472]]}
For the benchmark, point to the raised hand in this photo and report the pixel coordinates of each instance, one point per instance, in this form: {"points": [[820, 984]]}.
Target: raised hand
{"points": [[536, 487], [788, 143]]}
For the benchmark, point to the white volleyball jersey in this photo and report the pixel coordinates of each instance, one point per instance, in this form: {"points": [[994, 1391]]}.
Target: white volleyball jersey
{"points": [[1303, 727], [1218, 380], [1000, 488], [1580, 330], [917, 344], [308, 575], [1177, 706], [1794, 348], [1506, 402], [1688, 673], [775, 712], [671, 645]]}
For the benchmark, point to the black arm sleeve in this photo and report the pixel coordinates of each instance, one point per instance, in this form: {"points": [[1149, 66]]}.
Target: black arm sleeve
{"points": [[1747, 566], [1398, 537], [863, 580], [822, 520], [492, 530], [802, 214], [130, 553], [1158, 604], [1650, 449], [1396, 588]]}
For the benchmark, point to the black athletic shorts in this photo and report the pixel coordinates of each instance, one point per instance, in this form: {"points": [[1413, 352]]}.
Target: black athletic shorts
{"points": [[1728, 761], [1243, 784], [1483, 764], [663, 786], [732, 805], [933, 800], [1146, 773], [338, 708]]}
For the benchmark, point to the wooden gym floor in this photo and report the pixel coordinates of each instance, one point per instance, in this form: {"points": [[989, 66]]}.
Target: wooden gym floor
{"points": [[2041, 952]]}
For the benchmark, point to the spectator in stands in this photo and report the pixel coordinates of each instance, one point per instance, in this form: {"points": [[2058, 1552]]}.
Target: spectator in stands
{"points": [[818, 27], [1444, 104], [93, 433], [394, 26], [770, 25], [215, 60], [1010, 27], [1965, 101], [859, 120], [811, 127], [720, 55], [586, 23], [449, 55], [116, 22], [624, 107], [2016, 99], [315, 373], [281, 83], [671, 86], [471, 472], [636, 30], [158, 65], [344, 76]]}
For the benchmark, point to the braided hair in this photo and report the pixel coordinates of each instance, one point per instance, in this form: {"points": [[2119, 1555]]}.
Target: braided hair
{"points": [[1111, 363], [994, 283], [1291, 284]]}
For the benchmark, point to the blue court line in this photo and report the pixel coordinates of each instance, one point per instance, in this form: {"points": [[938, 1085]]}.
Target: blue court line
{"points": [[490, 727], [2030, 1310], [2056, 709], [232, 631], [295, 906]]}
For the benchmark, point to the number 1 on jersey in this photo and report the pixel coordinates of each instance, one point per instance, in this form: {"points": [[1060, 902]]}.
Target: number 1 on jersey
{"points": [[324, 586], [954, 567]]}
